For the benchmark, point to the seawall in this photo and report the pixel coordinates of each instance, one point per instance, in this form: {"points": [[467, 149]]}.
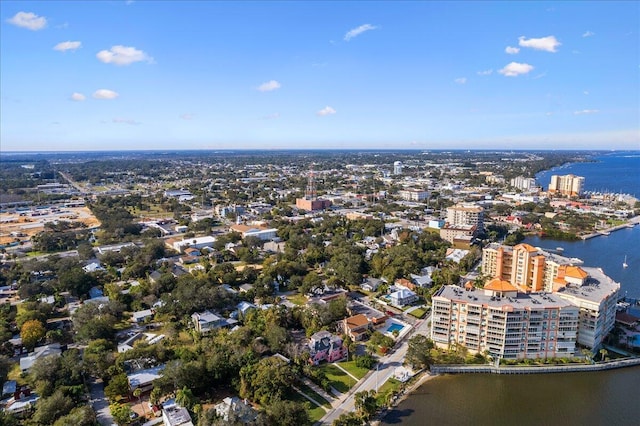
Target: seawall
{"points": [[534, 369]]}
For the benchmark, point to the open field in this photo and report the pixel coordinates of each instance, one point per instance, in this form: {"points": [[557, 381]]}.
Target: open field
{"points": [[21, 226]]}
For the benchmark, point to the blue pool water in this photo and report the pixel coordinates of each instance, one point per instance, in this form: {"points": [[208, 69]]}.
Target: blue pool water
{"points": [[393, 327]]}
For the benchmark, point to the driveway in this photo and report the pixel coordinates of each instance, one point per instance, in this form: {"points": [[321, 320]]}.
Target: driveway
{"points": [[100, 403]]}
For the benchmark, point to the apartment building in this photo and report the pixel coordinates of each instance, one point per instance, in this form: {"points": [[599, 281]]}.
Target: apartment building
{"points": [[506, 323], [596, 295], [413, 194], [466, 214], [529, 268], [567, 185], [523, 183]]}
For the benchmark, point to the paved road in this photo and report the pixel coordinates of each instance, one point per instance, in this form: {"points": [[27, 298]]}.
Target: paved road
{"points": [[100, 403], [386, 367]]}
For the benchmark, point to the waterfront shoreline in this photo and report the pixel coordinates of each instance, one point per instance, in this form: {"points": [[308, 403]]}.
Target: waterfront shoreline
{"points": [[421, 378]]}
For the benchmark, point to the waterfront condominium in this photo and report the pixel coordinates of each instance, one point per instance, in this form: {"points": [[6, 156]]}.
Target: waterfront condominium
{"points": [[503, 322], [596, 295], [567, 185], [529, 268]]}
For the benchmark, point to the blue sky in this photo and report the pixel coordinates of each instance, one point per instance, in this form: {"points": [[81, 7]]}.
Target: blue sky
{"points": [[103, 75]]}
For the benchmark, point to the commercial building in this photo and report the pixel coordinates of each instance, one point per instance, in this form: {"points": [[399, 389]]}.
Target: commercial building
{"points": [[261, 232], [460, 235], [567, 185], [413, 194]]}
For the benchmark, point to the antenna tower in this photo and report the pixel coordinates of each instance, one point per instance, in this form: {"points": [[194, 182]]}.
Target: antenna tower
{"points": [[310, 193]]}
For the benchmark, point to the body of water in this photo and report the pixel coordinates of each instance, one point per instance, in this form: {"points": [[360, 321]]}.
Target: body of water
{"points": [[606, 252], [597, 398], [617, 172]]}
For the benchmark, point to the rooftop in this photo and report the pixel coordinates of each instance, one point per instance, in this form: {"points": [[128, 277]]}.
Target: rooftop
{"points": [[520, 301]]}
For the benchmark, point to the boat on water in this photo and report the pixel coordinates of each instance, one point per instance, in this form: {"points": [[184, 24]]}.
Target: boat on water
{"points": [[625, 264]]}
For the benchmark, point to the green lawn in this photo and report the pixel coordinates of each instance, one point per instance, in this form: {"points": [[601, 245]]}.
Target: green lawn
{"points": [[418, 313], [390, 386], [338, 378], [315, 412], [352, 368], [313, 394], [298, 299]]}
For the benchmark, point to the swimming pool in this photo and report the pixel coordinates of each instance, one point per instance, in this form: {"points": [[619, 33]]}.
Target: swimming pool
{"points": [[395, 327]]}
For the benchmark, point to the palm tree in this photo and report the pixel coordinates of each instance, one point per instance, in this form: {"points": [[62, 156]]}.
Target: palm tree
{"points": [[603, 354], [184, 397]]}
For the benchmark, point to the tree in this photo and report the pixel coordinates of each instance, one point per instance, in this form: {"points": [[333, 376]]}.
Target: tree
{"points": [[418, 351], [267, 380], [51, 408], [348, 419], [31, 333], [121, 413], [98, 357], [365, 403], [118, 388], [288, 413], [185, 398], [79, 416]]}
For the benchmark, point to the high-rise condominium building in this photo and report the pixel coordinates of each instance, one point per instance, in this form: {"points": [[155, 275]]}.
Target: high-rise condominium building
{"points": [[466, 214], [504, 322], [523, 183], [567, 185], [529, 268]]}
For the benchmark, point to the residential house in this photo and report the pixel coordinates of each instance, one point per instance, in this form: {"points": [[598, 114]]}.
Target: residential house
{"points": [[236, 410], [402, 297], [143, 379], [324, 346], [175, 415], [371, 284], [207, 321], [54, 349], [356, 327], [141, 316]]}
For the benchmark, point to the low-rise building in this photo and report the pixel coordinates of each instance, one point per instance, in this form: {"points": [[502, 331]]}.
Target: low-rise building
{"points": [[207, 321], [324, 346], [356, 327], [236, 409]]}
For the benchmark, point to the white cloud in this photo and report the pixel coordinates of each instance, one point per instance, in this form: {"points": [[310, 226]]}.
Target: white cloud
{"points": [[269, 86], [123, 55], [129, 121], [28, 20], [187, 116], [359, 30], [105, 94], [273, 116], [485, 72], [514, 69], [67, 45], [586, 92], [548, 44], [511, 50], [326, 111], [461, 80], [588, 34], [78, 97], [586, 111]]}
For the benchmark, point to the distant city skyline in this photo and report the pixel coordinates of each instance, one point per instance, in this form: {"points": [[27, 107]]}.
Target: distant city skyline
{"points": [[311, 75]]}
